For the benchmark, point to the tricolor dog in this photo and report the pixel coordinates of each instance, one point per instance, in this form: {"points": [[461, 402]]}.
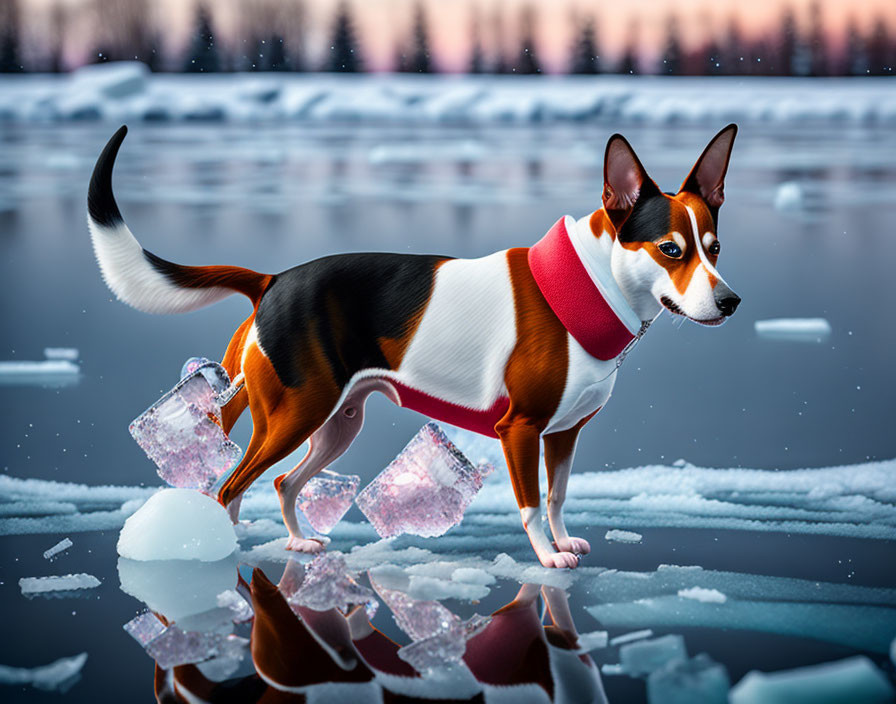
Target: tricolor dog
{"points": [[522, 344]]}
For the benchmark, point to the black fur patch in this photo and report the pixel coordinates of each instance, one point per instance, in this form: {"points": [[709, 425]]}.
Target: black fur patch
{"points": [[650, 219], [345, 302], [100, 202]]}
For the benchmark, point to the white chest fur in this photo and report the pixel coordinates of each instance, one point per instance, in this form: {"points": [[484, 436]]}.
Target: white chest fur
{"points": [[589, 383]]}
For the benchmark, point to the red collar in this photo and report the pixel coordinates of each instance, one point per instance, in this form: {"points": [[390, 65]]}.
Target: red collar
{"points": [[573, 294]]}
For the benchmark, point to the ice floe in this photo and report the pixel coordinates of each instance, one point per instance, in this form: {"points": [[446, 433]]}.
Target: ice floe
{"points": [[698, 679], [795, 329], [178, 524], [641, 657], [623, 536], [854, 679], [59, 547], [57, 676], [57, 583], [127, 91]]}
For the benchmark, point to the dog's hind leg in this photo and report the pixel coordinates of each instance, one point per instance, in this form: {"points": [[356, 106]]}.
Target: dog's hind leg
{"points": [[327, 444]]}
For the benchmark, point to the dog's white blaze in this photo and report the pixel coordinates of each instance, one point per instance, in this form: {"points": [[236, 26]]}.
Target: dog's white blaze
{"points": [[589, 382], [710, 269], [134, 281], [468, 330]]}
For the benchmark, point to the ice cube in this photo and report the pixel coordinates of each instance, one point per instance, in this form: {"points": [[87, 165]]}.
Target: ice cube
{"points": [[325, 499], [327, 585], [645, 656], [424, 490], [59, 547], [699, 679], [66, 582], [58, 676], [178, 524], [443, 648], [182, 433], [170, 646], [854, 679], [418, 618]]}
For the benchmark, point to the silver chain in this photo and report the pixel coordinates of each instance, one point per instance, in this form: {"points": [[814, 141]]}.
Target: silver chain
{"points": [[628, 348]]}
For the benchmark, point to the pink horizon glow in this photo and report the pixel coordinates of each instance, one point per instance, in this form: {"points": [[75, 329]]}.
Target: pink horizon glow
{"points": [[381, 24]]}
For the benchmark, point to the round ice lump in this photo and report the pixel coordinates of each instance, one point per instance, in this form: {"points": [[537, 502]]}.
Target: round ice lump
{"points": [[178, 524]]}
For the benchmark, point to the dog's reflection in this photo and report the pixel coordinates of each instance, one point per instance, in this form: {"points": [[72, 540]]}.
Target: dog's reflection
{"points": [[299, 654]]}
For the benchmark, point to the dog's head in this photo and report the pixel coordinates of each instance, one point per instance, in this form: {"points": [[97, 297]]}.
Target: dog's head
{"points": [[666, 246]]}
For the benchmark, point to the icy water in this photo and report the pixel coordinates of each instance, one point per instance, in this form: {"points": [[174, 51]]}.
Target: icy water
{"points": [[270, 197]]}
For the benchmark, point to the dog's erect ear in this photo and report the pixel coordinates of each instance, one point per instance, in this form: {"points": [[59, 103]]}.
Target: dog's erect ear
{"points": [[707, 178], [625, 180]]}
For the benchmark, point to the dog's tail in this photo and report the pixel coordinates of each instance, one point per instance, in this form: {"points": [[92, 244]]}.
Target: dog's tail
{"points": [[140, 278]]}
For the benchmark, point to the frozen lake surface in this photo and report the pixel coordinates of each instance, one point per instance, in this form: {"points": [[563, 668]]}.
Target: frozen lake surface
{"points": [[803, 558]]}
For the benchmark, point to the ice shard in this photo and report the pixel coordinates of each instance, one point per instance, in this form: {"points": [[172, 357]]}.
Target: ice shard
{"points": [[182, 433], [424, 490], [325, 499], [328, 585], [170, 646], [57, 583], [59, 547]]}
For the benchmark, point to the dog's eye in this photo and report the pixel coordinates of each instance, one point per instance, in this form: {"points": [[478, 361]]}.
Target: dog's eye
{"points": [[714, 248], [670, 249]]}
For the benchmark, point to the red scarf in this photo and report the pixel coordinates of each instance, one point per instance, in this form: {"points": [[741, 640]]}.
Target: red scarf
{"points": [[574, 297]]}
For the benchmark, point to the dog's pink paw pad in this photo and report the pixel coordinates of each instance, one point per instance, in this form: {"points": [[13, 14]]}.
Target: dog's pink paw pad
{"points": [[560, 560], [579, 546], [308, 545]]}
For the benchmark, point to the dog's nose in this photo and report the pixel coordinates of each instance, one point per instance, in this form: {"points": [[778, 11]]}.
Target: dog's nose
{"points": [[728, 304]]}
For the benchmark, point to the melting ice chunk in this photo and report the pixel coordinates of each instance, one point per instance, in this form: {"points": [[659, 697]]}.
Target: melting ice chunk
{"points": [[699, 679], [424, 491], [325, 499], [170, 646], [855, 679], [182, 433], [645, 656], [622, 536], [59, 547], [60, 583], [57, 676], [240, 609], [327, 585], [178, 524]]}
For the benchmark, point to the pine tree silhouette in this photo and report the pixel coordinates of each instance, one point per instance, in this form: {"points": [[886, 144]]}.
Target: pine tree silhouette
{"points": [[855, 58], [880, 50], [818, 50], [420, 60], [202, 57], [670, 62], [787, 49], [278, 58], [477, 55], [628, 62], [585, 58], [10, 60], [527, 63], [345, 56]]}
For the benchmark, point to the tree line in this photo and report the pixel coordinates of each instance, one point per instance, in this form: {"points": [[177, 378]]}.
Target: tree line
{"points": [[271, 36]]}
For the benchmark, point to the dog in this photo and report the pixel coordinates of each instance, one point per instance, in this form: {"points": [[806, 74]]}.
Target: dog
{"points": [[522, 345]]}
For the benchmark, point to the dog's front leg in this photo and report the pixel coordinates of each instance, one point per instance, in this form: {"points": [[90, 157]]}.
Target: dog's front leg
{"points": [[521, 443], [559, 451]]}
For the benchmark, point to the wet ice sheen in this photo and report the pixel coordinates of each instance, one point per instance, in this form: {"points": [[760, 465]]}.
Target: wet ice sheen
{"points": [[424, 490], [182, 433]]}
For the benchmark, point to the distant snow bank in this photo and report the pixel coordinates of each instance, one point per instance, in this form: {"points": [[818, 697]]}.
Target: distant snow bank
{"points": [[126, 91]]}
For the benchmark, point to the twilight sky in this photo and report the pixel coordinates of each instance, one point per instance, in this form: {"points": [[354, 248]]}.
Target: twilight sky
{"points": [[382, 23]]}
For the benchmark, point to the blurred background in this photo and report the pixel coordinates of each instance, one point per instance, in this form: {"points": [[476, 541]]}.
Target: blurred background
{"points": [[686, 37]]}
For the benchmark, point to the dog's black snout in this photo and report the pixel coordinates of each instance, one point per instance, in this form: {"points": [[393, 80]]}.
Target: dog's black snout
{"points": [[728, 304]]}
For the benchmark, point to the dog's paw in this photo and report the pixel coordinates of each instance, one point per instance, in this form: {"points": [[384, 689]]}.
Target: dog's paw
{"points": [[309, 545], [560, 559], [579, 546]]}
